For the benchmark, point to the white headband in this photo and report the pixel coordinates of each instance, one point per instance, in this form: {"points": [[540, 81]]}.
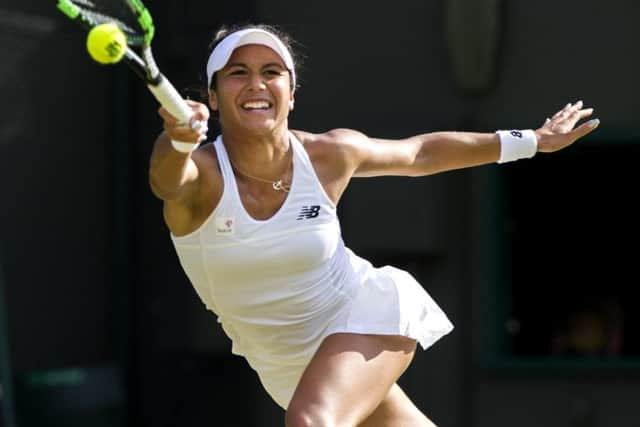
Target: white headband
{"points": [[221, 54]]}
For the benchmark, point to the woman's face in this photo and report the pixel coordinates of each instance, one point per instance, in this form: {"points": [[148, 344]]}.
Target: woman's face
{"points": [[253, 91]]}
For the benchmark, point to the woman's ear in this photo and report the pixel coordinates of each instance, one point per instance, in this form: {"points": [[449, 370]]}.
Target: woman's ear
{"points": [[291, 102], [213, 100]]}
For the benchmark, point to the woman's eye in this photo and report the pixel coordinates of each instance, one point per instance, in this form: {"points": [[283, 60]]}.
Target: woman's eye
{"points": [[237, 72], [273, 72]]}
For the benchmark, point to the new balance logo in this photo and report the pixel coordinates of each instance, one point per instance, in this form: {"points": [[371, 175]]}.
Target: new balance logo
{"points": [[308, 212]]}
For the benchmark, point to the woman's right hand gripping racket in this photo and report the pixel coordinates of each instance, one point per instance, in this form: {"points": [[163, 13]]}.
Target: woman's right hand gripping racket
{"points": [[134, 20]]}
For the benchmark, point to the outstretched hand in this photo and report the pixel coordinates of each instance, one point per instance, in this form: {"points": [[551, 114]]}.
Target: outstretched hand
{"points": [[558, 132], [187, 132]]}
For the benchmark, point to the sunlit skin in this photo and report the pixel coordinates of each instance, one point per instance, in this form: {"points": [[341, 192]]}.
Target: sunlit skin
{"points": [[254, 137], [351, 380]]}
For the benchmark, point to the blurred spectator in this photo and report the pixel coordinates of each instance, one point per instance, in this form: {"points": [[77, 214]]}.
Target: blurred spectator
{"points": [[595, 329]]}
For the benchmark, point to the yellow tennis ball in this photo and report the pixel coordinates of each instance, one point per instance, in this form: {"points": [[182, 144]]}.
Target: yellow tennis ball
{"points": [[106, 43]]}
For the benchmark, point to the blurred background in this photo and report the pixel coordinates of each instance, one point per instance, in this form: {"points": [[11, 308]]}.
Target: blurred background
{"points": [[534, 261]]}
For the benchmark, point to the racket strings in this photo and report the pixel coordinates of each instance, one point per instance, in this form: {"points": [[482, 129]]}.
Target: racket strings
{"points": [[116, 11]]}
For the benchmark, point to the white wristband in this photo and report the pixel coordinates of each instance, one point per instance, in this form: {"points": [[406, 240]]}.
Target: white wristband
{"points": [[183, 147], [517, 144]]}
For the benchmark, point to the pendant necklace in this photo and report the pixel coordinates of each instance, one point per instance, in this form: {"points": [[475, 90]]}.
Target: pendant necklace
{"points": [[279, 185]]}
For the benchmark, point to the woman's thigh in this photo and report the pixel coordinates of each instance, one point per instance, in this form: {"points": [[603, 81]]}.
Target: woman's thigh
{"points": [[348, 378]]}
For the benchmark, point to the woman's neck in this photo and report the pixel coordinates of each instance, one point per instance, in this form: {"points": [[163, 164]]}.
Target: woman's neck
{"points": [[264, 155]]}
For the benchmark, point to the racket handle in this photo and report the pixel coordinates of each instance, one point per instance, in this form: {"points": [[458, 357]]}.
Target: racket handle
{"points": [[170, 99]]}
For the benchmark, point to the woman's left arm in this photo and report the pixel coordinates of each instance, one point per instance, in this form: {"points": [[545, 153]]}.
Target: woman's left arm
{"points": [[443, 151]]}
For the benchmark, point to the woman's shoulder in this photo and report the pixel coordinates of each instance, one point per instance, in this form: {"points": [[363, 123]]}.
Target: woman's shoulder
{"points": [[335, 142], [333, 137], [205, 155], [333, 155]]}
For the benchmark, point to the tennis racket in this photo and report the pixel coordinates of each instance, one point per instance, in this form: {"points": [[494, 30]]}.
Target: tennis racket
{"points": [[135, 21]]}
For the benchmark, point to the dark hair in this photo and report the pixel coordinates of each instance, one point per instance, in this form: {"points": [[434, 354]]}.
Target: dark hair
{"points": [[225, 30]]}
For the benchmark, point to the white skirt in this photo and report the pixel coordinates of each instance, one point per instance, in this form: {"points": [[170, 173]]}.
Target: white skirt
{"points": [[388, 302]]}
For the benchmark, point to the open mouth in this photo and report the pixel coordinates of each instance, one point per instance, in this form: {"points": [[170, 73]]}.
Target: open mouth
{"points": [[256, 105]]}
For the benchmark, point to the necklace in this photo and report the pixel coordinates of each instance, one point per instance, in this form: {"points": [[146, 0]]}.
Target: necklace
{"points": [[279, 185]]}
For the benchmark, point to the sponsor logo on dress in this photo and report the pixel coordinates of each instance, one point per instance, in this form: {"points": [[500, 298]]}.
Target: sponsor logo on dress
{"points": [[225, 225], [308, 212]]}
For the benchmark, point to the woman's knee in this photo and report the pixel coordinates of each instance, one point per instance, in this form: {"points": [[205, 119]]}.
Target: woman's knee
{"points": [[301, 415]]}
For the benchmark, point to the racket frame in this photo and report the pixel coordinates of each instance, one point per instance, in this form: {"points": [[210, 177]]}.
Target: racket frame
{"points": [[143, 64]]}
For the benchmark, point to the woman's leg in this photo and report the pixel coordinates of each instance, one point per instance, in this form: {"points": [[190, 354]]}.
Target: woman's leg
{"points": [[397, 410], [348, 378]]}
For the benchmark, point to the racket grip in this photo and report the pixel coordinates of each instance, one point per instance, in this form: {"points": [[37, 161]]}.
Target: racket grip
{"points": [[169, 98]]}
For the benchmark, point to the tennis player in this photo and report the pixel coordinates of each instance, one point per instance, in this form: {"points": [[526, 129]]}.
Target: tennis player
{"points": [[253, 220]]}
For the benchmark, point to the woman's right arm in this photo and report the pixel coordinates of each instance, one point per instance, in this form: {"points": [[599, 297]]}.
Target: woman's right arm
{"points": [[173, 174]]}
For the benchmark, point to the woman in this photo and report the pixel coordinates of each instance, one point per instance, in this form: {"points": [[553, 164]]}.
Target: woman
{"points": [[253, 220]]}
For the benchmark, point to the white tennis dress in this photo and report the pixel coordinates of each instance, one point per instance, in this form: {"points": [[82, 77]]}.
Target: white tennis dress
{"points": [[281, 285]]}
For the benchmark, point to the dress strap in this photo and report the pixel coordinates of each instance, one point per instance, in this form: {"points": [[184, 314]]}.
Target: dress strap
{"points": [[223, 161]]}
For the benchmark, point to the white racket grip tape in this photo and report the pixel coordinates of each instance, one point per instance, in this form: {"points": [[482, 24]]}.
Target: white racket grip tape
{"points": [[170, 99]]}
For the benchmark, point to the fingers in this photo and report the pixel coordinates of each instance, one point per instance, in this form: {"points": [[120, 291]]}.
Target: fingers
{"points": [[562, 111], [562, 135], [585, 128], [581, 114], [568, 110], [167, 117], [564, 120], [195, 131], [200, 111], [199, 119]]}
